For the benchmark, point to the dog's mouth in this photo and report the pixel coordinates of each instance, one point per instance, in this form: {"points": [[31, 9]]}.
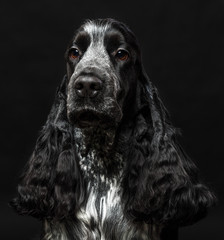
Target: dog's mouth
{"points": [[90, 118]]}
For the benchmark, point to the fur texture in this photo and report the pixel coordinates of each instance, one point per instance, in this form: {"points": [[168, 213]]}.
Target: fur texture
{"points": [[109, 166]]}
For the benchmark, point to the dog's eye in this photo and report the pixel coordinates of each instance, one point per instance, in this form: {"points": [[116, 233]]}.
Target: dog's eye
{"points": [[122, 55], [74, 53]]}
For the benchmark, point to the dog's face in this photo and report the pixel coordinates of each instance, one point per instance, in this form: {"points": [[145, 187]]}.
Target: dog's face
{"points": [[101, 70]]}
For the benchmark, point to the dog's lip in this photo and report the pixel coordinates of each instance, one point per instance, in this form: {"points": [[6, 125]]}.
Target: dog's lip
{"points": [[88, 118], [91, 118]]}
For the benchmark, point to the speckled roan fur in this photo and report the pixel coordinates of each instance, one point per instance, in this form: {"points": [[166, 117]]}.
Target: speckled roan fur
{"points": [[123, 176], [101, 217]]}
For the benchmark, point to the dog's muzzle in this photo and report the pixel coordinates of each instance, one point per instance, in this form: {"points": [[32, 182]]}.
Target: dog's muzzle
{"points": [[91, 103]]}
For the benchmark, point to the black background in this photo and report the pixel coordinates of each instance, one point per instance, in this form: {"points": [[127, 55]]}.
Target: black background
{"points": [[183, 52]]}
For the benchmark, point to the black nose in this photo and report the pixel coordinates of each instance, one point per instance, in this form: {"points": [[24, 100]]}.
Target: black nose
{"points": [[88, 86]]}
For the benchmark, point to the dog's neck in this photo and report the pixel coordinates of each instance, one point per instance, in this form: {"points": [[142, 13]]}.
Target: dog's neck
{"points": [[99, 158]]}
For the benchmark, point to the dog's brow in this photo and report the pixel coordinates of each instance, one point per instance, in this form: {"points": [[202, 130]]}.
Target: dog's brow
{"points": [[82, 39], [114, 39]]}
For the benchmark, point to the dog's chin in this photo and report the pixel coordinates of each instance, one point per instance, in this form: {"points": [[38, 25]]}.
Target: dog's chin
{"points": [[92, 119], [87, 119]]}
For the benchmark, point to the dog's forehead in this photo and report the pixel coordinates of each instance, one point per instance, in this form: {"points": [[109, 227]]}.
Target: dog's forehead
{"points": [[98, 32]]}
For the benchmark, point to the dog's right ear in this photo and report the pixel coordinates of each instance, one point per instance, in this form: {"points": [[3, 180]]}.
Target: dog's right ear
{"points": [[51, 185]]}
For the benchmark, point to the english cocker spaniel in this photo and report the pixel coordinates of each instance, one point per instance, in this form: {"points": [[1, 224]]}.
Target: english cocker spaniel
{"points": [[107, 165]]}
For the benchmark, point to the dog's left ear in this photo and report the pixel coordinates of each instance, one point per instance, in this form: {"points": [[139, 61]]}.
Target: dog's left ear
{"points": [[161, 183]]}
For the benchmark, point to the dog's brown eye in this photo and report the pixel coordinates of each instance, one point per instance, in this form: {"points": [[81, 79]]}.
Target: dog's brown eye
{"points": [[122, 55], [74, 53]]}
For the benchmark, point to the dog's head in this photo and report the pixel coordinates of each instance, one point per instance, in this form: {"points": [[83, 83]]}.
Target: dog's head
{"points": [[101, 69]]}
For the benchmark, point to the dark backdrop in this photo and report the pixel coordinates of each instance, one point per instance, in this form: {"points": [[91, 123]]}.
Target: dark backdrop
{"points": [[183, 52]]}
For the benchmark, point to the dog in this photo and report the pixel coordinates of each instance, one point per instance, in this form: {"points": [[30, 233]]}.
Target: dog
{"points": [[107, 164]]}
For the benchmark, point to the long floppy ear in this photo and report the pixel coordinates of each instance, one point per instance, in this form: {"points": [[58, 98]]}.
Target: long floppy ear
{"points": [[160, 183], [51, 185]]}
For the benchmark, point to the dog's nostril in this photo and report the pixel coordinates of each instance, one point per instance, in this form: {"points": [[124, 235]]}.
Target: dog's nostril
{"points": [[79, 86], [96, 86], [87, 86]]}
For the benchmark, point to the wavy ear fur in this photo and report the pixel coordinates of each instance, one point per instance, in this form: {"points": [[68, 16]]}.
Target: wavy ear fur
{"points": [[51, 185], [161, 183]]}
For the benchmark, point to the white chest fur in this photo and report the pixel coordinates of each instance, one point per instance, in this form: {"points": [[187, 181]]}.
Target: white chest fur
{"points": [[99, 210], [102, 217]]}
